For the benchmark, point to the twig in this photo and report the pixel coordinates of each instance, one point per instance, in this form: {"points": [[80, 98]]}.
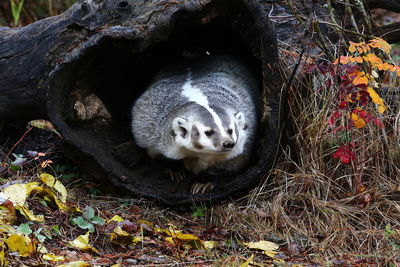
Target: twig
{"points": [[350, 12], [19, 141], [365, 17]]}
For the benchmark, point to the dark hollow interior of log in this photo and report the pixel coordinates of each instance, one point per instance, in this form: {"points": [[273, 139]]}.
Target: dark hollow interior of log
{"points": [[117, 71]]}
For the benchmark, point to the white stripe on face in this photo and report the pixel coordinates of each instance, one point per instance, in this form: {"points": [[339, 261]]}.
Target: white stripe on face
{"points": [[194, 94]]}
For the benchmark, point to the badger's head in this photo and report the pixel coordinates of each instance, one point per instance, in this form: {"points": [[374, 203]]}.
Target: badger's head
{"points": [[209, 130]]}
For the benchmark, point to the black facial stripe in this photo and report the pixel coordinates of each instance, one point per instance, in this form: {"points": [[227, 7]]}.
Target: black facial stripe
{"points": [[195, 136], [216, 139], [195, 133]]}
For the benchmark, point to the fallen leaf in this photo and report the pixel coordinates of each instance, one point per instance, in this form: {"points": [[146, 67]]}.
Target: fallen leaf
{"points": [[118, 230], [3, 261], [116, 218], [46, 163], [18, 193], [52, 257], [82, 242], [267, 247], [52, 182], [21, 244], [358, 121], [45, 125], [27, 213], [209, 244], [74, 264], [247, 263]]}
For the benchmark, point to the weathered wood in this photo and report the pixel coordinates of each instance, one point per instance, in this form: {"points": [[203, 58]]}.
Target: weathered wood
{"points": [[84, 68]]}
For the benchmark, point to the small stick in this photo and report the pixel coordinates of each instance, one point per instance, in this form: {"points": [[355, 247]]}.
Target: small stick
{"points": [[19, 141]]}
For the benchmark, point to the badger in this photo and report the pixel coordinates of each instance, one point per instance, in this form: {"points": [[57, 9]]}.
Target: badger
{"points": [[202, 111]]}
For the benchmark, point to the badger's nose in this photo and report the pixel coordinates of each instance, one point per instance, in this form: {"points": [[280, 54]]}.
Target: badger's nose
{"points": [[228, 144]]}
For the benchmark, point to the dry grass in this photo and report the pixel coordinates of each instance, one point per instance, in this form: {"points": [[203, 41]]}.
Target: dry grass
{"points": [[310, 198]]}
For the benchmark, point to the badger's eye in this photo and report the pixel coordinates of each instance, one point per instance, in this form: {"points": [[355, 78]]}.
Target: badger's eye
{"points": [[209, 132], [230, 131]]}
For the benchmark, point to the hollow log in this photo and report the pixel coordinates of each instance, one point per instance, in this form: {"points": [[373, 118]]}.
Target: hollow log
{"points": [[83, 69]]}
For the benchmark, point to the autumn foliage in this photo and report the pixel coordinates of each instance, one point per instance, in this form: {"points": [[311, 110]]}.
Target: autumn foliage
{"points": [[356, 79]]}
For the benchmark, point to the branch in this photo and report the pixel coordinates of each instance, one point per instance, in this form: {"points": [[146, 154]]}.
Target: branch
{"points": [[391, 32], [392, 5]]}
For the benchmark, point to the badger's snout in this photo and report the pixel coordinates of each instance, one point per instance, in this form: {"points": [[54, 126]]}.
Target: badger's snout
{"points": [[227, 145]]}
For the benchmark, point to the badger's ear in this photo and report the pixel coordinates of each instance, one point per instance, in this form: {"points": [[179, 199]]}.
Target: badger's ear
{"points": [[240, 120], [181, 127]]}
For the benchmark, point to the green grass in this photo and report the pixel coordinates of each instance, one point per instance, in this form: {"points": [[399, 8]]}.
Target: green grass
{"points": [[15, 13]]}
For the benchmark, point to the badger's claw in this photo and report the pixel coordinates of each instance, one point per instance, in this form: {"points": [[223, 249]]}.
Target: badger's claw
{"points": [[177, 176], [201, 188]]}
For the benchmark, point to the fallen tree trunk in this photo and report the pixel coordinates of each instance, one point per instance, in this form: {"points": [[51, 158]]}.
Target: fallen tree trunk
{"points": [[83, 69]]}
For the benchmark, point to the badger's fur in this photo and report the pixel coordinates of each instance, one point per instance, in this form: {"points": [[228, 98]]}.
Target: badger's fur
{"points": [[202, 112]]}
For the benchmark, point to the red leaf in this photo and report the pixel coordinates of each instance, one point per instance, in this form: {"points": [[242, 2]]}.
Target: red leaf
{"points": [[343, 104], [345, 154]]}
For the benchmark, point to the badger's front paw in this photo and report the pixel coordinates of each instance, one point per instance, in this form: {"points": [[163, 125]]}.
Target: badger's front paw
{"points": [[201, 188], [177, 176]]}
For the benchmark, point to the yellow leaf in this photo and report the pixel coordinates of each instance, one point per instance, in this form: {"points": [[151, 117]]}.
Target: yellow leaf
{"points": [[118, 230], [352, 47], [3, 261], [209, 244], [271, 254], [49, 196], [358, 122], [52, 182], [145, 223], [137, 239], [7, 229], [171, 231], [18, 193], [169, 240], [74, 209], [21, 244], [116, 265], [42, 249], [46, 163], [52, 257], [74, 264], [376, 99], [381, 44], [247, 263], [186, 237], [116, 218], [45, 125], [267, 246], [382, 109], [82, 242], [27, 213], [360, 78]]}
